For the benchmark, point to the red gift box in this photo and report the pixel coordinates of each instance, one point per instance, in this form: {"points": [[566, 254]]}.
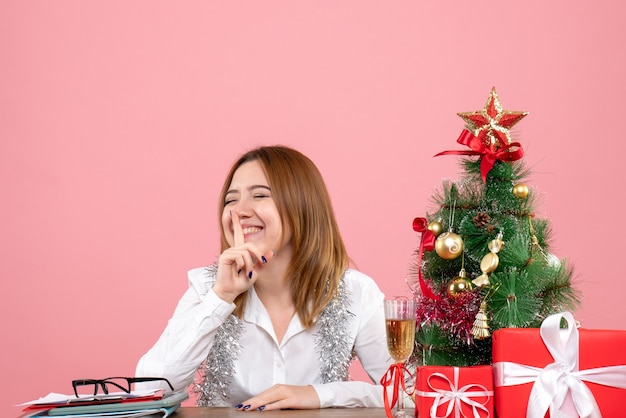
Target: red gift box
{"points": [[577, 372], [444, 391]]}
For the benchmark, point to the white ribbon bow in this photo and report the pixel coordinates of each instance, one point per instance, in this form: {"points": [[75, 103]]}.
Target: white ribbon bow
{"points": [[455, 396], [553, 383]]}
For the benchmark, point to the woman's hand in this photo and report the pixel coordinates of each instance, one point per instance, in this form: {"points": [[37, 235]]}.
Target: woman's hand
{"points": [[283, 397], [235, 266]]}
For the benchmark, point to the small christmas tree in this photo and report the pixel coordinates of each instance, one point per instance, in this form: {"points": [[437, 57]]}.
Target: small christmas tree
{"points": [[484, 260]]}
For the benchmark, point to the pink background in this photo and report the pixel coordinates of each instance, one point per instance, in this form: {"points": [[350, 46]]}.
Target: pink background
{"points": [[118, 120]]}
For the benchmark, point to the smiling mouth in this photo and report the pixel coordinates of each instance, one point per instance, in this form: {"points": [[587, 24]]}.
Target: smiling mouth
{"points": [[250, 230]]}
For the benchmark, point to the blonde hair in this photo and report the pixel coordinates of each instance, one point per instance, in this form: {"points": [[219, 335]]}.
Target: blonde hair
{"points": [[319, 254]]}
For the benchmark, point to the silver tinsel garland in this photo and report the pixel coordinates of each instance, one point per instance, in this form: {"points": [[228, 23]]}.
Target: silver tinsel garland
{"points": [[216, 372], [332, 341], [219, 366]]}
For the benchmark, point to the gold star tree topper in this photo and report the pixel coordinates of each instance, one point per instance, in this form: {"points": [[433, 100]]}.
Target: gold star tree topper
{"points": [[492, 124]]}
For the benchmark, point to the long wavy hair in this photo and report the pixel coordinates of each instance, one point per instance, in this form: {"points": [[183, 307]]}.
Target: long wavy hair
{"points": [[319, 254]]}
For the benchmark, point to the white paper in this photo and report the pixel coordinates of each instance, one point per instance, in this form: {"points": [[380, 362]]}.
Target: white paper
{"points": [[62, 398]]}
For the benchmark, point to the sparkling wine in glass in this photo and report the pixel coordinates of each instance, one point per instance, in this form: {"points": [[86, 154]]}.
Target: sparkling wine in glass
{"points": [[400, 324]]}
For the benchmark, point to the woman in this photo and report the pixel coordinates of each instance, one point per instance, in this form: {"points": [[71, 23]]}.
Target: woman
{"points": [[276, 321]]}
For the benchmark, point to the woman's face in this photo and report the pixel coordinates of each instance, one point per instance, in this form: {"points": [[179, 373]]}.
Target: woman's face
{"points": [[250, 197]]}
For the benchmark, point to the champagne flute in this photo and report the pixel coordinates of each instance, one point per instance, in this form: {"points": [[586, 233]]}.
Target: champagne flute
{"points": [[400, 325]]}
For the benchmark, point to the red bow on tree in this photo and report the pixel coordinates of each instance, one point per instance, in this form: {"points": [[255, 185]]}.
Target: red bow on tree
{"points": [[427, 243], [489, 155]]}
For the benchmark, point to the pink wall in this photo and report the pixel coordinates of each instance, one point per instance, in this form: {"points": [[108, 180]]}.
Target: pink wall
{"points": [[118, 120]]}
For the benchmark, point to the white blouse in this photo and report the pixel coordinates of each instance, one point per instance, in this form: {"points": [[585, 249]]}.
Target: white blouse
{"points": [[262, 361]]}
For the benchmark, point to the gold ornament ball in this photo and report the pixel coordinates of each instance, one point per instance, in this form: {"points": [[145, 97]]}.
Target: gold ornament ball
{"points": [[458, 286], [520, 190], [435, 227], [449, 245]]}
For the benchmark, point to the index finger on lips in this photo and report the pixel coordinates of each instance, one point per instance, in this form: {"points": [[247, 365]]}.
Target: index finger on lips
{"points": [[237, 231]]}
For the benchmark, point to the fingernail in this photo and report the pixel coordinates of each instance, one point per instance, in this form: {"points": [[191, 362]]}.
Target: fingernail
{"points": [[263, 259], [262, 407], [250, 275], [245, 408], [238, 405]]}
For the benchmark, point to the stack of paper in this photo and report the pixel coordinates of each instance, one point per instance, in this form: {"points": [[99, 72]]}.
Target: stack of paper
{"points": [[114, 405]]}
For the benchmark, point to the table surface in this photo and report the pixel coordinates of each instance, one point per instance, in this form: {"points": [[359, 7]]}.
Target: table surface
{"points": [[197, 412]]}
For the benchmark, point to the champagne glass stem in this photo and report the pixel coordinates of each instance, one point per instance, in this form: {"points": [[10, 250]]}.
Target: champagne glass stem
{"points": [[400, 406]]}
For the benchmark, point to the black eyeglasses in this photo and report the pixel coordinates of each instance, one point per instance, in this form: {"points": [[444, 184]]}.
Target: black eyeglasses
{"points": [[83, 387]]}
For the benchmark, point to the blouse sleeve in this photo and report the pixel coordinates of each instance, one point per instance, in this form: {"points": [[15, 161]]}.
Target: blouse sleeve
{"points": [[186, 340], [370, 346]]}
